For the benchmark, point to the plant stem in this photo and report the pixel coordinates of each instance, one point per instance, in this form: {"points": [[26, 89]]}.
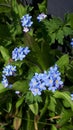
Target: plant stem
{"points": [[44, 108], [36, 122]]}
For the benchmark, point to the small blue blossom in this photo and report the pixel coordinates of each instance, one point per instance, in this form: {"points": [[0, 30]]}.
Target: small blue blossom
{"points": [[9, 70], [5, 81], [19, 53], [41, 16], [50, 80], [17, 92], [26, 22], [71, 96], [37, 84], [71, 43], [54, 79]]}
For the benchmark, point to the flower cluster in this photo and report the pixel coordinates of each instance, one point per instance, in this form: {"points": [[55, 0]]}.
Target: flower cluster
{"points": [[8, 70], [53, 82], [20, 53], [50, 80], [26, 22], [37, 84], [41, 16]]}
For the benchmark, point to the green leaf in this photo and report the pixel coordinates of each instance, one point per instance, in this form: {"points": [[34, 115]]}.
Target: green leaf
{"points": [[30, 98], [69, 72], [53, 37], [45, 107], [5, 6], [34, 108], [2, 89], [32, 70], [67, 127], [1, 86], [60, 36], [19, 102], [63, 62], [52, 104], [19, 8], [71, 19], [65, 117], [42, 6], [67, 31], [21, 86], [5, 53], [53, 127], [9, 106], [64, 96]]}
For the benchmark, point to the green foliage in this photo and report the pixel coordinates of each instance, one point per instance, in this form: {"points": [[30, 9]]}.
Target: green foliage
{"points": [[65, 117], [49, 44], [63, 62], [69, 72], [21, 86], [18, 8], [5, 53], [53, 127], [42, 6], [57, 30], [20, 101], [34, 108], [65, 97], [52, 104]]}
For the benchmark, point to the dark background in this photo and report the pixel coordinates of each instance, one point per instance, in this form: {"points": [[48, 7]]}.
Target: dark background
{"points": [[54, 7]]}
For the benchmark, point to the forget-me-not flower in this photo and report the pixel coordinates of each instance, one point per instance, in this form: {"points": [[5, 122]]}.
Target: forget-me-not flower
{"points": [[19, 53], [4, 81], [41, 16], [54, 78], [50, 80], [9, 70], [37, 84], [26, 22]]}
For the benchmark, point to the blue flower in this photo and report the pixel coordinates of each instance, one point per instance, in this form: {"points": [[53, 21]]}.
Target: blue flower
{"points": [[37, 84], [17, 92], [4, 81], [54, 79], [50, 80], [20, 53], [26, 22], [71, 43], [9, 70], [71, 96], [41, 16]]}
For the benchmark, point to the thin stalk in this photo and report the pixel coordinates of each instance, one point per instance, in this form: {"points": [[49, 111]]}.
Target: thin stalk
{"points": [[36, 122], [44, 108], [28, 120]]}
